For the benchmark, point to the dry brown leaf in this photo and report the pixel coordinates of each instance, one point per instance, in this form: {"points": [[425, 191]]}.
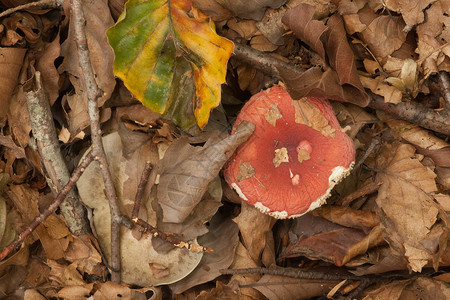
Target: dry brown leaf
{"points": [[419, 137], [318, 238], [414, 225], [391, 290], [378, 86], [282, 287], [383, 34], [300, 20], [255, 228], [10, 64], [186, 171], [221, 291], [250, 9], [341, 81], [411, 12], [98, 20], [242, 260], [137, 256], [212, 9], [272, 27], [246, 28], [223, 238], [45, 64]]}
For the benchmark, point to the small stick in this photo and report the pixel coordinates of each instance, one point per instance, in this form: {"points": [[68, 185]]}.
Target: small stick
{"points": [[93, 93], [51, 209], [156, 233], [50, 3], [140, 190]]}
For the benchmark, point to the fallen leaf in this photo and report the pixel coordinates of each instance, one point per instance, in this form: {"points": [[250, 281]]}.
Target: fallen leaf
{"points": [[283, 287], [404, 195], [186, 170], [11, 62], [255, 229], [173, 61], [98, 20], [136, 255], [223, 238], [412, 13]]}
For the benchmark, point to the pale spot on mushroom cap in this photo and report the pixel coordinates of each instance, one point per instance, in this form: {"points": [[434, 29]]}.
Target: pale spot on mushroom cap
{"points": [[281, 156], [295, 179], [273, 115], [302, 155]]}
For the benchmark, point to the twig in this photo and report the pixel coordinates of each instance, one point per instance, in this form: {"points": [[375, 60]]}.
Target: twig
{"points": [[373, 144], [51, 209], [156, 233], [292, 273], [410, 111], [140, 190], [92, 93], [444, 81], [415, 113], [51, 3], [44, 131]]}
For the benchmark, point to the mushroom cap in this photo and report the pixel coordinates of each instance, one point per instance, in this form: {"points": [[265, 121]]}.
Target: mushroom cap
{"points": [[296, 155]]}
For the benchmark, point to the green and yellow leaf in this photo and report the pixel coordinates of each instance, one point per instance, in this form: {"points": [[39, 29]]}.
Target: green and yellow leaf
{"points": [[169, 56]]}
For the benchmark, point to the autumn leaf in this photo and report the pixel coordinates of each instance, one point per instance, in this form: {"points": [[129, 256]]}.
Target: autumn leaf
{"points": [[170, 58], [413, 223]]}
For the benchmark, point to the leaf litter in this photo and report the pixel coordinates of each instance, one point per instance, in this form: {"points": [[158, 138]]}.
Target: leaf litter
{"points": [[388, 217]]}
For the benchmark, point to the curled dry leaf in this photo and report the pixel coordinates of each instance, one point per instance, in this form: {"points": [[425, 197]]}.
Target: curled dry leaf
{"points": [[318, 238], [137, 256], [340, 81], [186, 171], [414, 225]]}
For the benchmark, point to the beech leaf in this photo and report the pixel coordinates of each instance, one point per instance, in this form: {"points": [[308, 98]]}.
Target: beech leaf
{"points": [[170, 58]]}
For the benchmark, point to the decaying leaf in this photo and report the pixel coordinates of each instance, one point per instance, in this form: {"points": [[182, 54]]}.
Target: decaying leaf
{"points": [[137, 256], [340, 80], [170, 58], [413, 223], [186, 171], [10, 61]]}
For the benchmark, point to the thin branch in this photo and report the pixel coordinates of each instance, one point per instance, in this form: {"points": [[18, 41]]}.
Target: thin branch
{"points": [[41, 3], [410, 111], [51, 209], [44, 131], [93, 93], [140, 190], [169, 238]]}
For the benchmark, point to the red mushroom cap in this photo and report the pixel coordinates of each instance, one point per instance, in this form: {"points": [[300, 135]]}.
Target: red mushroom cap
{"points": [[296, 155]]}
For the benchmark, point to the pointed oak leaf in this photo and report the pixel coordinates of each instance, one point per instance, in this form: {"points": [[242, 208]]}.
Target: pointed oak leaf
{"points": [[413, 223], [170, 58]]}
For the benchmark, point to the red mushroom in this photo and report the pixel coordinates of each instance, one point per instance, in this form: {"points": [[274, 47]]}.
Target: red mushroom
{"points": [[296, 155]]}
